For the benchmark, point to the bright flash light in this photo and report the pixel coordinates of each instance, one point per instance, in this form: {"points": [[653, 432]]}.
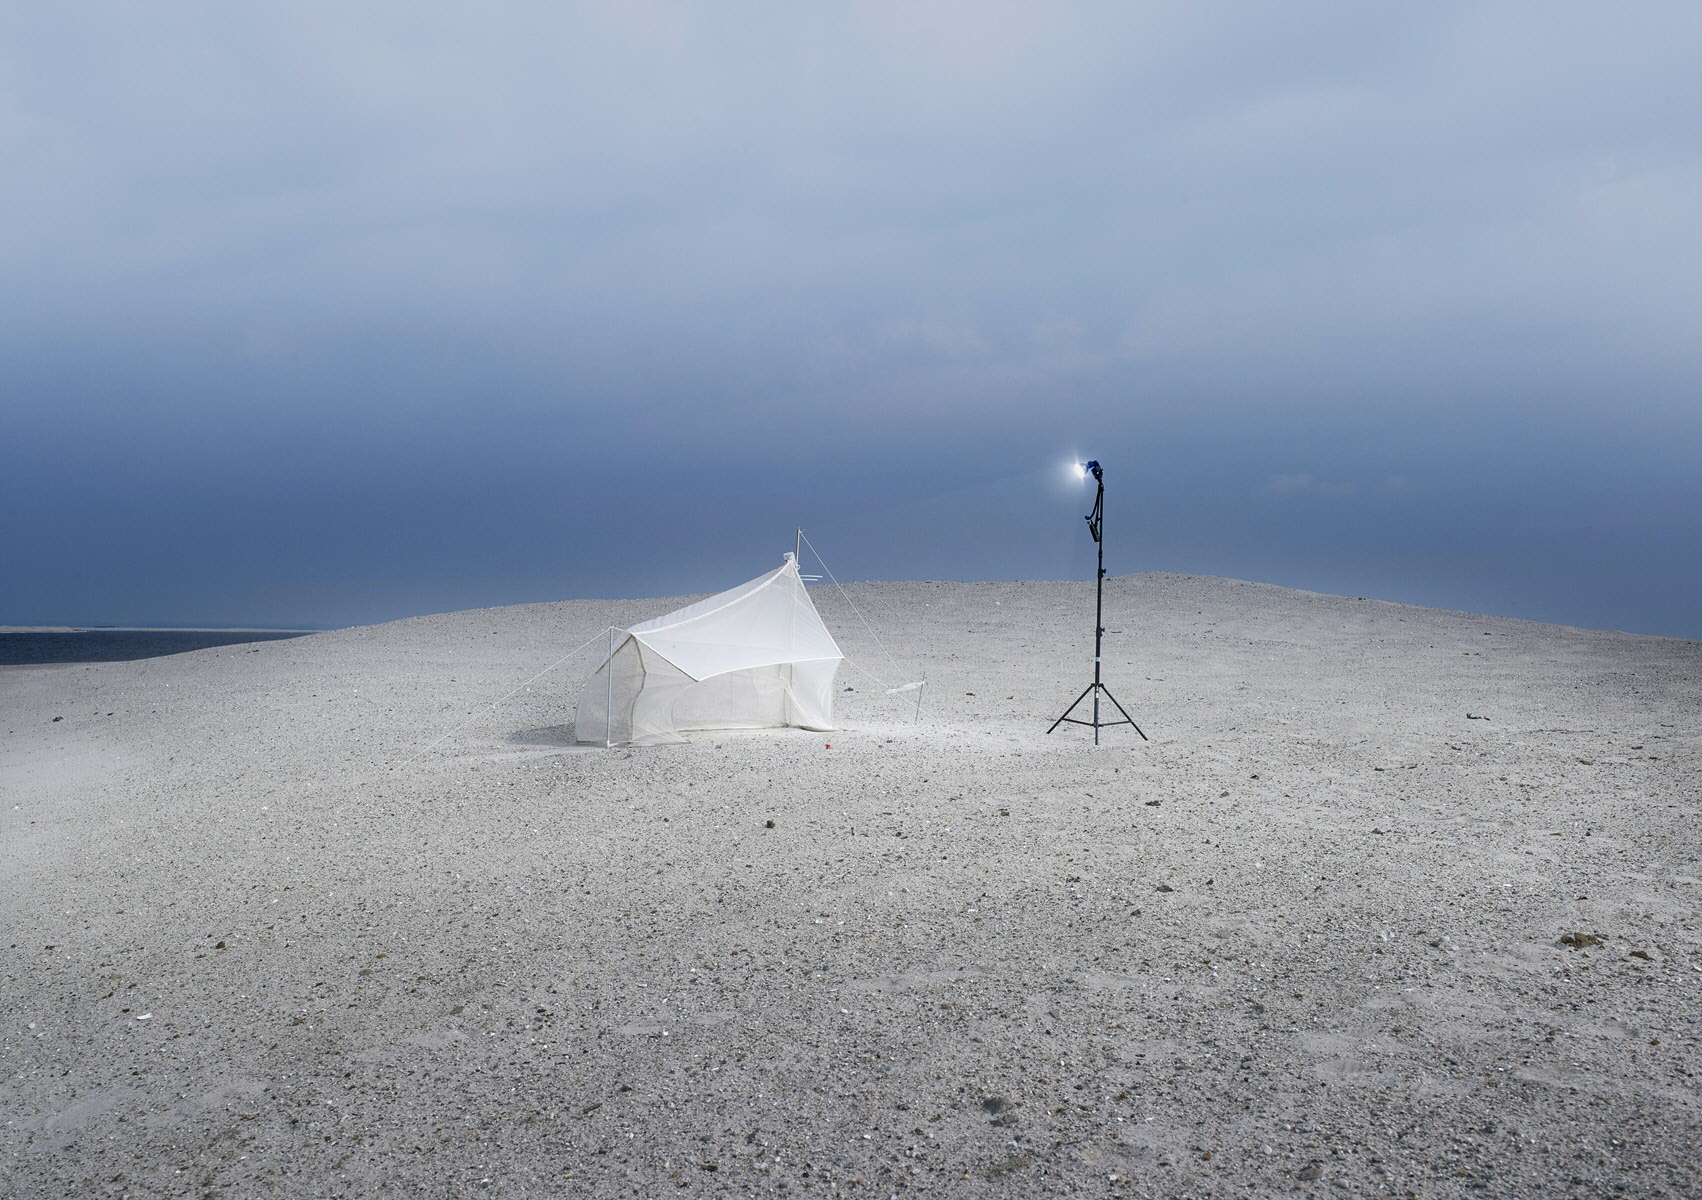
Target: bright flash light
{"points": [[1080, 470]]}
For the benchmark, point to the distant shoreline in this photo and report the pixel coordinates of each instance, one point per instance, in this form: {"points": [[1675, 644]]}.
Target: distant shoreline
{"points": [[153, 629]]}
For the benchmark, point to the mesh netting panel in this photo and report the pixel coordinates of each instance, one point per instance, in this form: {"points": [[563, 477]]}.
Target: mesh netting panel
{"points": [[651, 720], [753, 699], [604, 711], [811, 694]]}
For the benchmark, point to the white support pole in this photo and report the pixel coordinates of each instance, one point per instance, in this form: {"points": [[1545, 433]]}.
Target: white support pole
{"points": [[609, 702]]}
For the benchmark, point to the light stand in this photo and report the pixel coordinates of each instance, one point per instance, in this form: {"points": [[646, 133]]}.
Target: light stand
{"points": [[1095, 523]]}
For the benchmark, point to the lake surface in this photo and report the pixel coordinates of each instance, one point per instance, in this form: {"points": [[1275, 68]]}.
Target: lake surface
{"points": [[38, 648]]}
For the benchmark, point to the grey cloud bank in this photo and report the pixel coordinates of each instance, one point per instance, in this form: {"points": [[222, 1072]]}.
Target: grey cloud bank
{"points": [[317, 314]]}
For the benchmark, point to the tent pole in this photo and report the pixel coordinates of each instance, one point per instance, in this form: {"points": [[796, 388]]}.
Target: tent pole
{"points": [[609, 703]]}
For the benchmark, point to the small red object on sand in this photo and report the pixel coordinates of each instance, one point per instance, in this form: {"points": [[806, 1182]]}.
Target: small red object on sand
{"points": [[829, 746]]}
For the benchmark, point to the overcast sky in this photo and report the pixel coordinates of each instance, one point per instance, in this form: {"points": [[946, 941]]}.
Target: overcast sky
{"points": [[329, 313]]}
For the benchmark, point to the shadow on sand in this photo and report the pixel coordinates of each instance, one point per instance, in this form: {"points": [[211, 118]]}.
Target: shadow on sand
{"points": [[545, 735]]}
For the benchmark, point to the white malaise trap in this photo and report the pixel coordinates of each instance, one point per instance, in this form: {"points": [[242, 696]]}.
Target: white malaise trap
{"points": [[754, 657]]}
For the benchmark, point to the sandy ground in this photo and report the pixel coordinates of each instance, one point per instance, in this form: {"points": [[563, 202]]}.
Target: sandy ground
{"points": [[1308, 940]]}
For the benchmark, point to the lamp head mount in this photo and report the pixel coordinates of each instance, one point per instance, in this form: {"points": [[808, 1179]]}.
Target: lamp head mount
{"points": [[1093, 518]]}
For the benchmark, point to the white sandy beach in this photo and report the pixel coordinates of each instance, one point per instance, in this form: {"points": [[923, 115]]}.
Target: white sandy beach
{"points": [[1305, 941]]}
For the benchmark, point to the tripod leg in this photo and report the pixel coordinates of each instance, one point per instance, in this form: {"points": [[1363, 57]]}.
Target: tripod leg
{"points": [[1072, 707], [1125, 713]]}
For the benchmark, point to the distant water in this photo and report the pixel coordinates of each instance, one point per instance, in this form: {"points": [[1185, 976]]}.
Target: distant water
{"points": [[121, 645]]}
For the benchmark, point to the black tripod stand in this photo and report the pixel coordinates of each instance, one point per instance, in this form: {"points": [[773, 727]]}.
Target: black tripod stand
{"points": [[1095, 520]]}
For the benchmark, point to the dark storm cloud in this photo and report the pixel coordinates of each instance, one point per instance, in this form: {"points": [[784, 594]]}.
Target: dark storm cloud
{"points": [[325, 313]]}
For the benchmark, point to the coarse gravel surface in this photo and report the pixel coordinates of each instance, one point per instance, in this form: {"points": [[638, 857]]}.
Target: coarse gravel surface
{"points": [[1396, 902]]}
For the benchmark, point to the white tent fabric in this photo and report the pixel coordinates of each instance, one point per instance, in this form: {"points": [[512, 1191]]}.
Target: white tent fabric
{"points": [[754, 657]]}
